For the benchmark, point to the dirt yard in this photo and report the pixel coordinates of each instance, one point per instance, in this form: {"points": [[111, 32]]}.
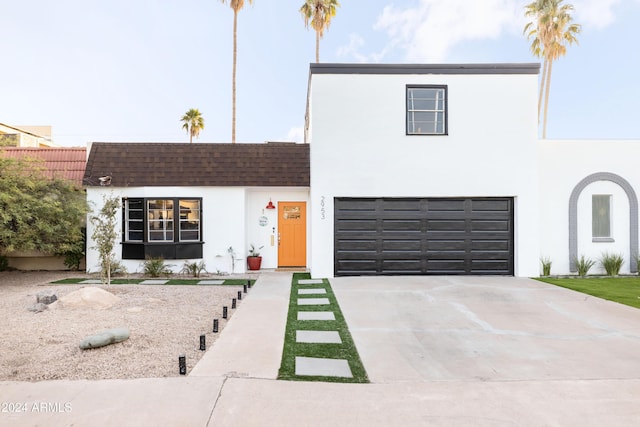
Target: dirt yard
{"points": [[165, 322]]}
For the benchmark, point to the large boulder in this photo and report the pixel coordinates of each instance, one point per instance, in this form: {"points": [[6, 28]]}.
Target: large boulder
{"points": [[89, 297]]}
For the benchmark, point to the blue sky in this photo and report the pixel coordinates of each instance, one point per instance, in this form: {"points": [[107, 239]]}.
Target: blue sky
{"points": [[126, 70]]}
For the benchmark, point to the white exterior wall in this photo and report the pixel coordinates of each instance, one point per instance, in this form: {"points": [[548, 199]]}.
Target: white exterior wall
{"points": [[359, 149], [563, 164], [230, 218], [259, 235]]}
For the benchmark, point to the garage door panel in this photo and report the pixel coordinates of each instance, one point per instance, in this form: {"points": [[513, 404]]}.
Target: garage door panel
{"points": [[446, 225], [401, 205], [447, 245], [490, 245], [445, 265], [489, 255], [490, 225], [490, 267], [402, 244], [446, 205], [356, 205], [414, 225], [358, 225], [491, 205], [358, 245], [408, 265], [423, 236]]}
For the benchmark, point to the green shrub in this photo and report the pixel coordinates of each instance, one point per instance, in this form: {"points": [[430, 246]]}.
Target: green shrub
{"points": [[193, 268], [546, 266], [611, 263], [72, 260], [155, 267], [584, 265], [4, 263], [117, 268]]}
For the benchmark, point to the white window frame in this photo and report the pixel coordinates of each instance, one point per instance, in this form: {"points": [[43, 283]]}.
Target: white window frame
{"points": [[128, 220], [440, 113], [596, 233]]}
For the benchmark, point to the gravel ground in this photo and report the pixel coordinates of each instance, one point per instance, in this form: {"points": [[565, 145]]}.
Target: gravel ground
{"points": [[165, 322]]}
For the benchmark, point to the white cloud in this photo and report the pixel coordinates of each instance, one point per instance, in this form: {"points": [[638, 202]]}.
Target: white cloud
{"points": [[594, 13], [353, 49], [428, 31], [296, 134]]}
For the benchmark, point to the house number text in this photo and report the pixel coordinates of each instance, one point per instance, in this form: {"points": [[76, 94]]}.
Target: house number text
{"points": [[322, 209]]}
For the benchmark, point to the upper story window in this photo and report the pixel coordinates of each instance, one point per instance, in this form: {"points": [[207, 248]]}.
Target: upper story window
{"points": [[601, 217], [426, 110]]}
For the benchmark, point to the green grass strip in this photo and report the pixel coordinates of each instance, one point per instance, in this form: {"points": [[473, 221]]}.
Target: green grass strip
{"points": [[189, 282], [347, 350], [623, 290]]}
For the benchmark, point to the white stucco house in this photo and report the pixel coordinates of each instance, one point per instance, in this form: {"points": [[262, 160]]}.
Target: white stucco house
{"points": [[406, 169], [195, 201]]}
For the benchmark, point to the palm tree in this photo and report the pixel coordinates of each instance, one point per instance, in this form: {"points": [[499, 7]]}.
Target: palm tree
{"points": [[193, 123], [551, 30], [319, 13], [236, 5]]}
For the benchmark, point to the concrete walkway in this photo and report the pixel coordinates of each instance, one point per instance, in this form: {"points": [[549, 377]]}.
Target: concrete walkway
{"points": [[425, 380]]}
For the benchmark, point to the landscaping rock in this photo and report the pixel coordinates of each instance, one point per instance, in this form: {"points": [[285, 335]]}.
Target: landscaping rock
{"points": [[89, 297], [46, 297], [38, 307], [106, 337]]}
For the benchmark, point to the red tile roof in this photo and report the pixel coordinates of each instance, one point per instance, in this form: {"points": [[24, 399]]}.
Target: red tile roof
{"points": [[67, 163], [198, 164]]}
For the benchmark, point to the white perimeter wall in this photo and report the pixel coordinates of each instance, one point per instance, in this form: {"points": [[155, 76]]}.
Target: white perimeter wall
{"points": [[230, 218], [359, 149], [563, 164]]}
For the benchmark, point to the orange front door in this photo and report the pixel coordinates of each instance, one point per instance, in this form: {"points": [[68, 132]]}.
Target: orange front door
{"points": [[292, 229]]}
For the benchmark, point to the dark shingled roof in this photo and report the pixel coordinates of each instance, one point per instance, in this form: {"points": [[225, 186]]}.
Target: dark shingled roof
{"points": [[66, 163], [198, 164]]}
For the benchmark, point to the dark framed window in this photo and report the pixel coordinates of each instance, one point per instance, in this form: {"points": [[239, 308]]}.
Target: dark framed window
{"points": [[427, 110], [170, 227]]}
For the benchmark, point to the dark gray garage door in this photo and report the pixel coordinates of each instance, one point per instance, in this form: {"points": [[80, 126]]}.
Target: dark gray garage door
{"points": [[376, 236]]}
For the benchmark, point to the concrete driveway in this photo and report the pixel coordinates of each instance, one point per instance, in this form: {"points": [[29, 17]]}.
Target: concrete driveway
{"points": [[410, 329], [439, 351]]}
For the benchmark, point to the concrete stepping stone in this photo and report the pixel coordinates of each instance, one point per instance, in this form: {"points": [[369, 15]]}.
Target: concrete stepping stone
{"points": [[316, 315], [153, 282], [318, 337], [319, 367], [313, 301], [310, 282], [312, 291], [90, 282], [211, 282]]}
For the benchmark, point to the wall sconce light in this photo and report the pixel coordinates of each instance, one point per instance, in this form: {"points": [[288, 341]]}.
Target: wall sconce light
{"points": [[270, 205]]}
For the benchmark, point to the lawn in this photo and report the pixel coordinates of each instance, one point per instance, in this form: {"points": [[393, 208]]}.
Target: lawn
{"points": [[624, 290], [230, 282], [346, 350]]}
